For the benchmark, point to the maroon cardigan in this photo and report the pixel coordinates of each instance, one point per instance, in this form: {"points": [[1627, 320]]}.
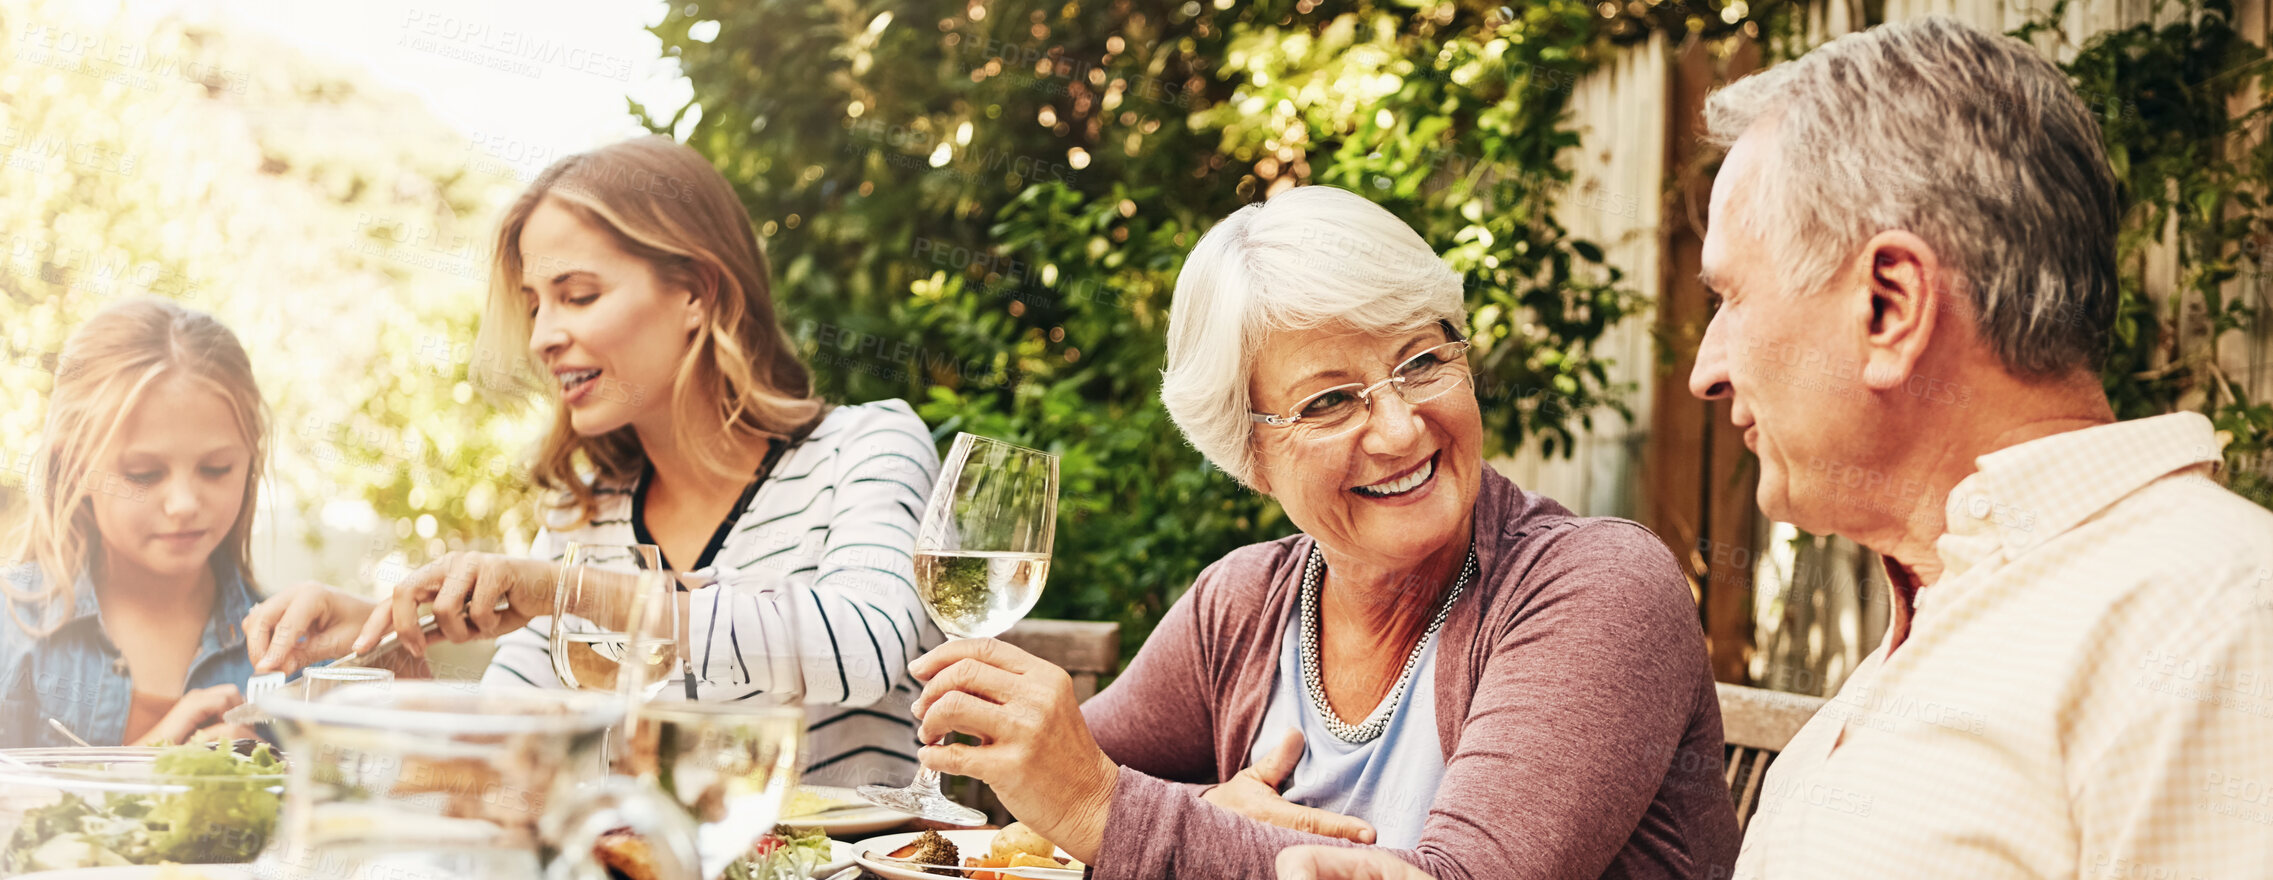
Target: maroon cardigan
{"points": [[1581, 732]]}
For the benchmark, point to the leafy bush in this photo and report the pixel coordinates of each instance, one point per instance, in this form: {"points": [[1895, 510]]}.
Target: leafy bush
{"points": [[348, 257], [981, 207], [2188, 163]]}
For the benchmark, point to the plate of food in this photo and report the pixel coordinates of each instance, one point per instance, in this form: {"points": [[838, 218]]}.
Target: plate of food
{"points": [[837, 812], [783, 854], [788, 852], [841, 856], [1013, 852]]}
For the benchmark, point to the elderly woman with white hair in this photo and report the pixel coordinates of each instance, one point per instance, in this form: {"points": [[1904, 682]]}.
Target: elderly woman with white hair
{"points": [[1440, 664]]}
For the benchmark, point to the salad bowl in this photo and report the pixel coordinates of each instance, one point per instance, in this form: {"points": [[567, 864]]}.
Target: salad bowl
{"points": [[63, 809]]}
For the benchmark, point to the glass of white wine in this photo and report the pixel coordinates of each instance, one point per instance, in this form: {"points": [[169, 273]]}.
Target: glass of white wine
{"points": [[604, 595], [730, 753], [981, 556]]}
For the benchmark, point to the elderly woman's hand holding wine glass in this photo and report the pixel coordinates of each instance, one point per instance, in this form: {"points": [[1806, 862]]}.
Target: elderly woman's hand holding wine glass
{"points": [[982, 554], [1038, 754], [1034, 748]]}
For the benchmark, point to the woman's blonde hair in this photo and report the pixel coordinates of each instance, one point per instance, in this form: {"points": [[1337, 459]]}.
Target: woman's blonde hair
{"points": [[105, 371], [664, 203]]}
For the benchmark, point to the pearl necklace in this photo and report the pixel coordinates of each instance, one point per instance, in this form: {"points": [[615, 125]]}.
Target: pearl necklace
{"points": [[1377, 723]]}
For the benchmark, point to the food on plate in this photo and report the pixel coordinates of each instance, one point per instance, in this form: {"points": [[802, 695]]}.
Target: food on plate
{"points": [[1017, 838], [988, 862], [1014, 861], [930, 849], [625, 854], [220, 816], [1018, 846], [785, 853]]}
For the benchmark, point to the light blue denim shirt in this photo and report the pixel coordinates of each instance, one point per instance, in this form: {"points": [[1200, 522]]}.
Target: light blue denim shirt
{"points": [[75, 675]]}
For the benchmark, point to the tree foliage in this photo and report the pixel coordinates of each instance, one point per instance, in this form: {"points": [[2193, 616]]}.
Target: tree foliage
{"points": [[2182, 110], [982, 207], [339, 230]]}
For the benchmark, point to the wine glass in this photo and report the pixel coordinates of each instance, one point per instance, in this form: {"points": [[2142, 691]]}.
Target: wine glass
{"points": [[731, 757], [981, 555], [605, 594], [320, 680]]}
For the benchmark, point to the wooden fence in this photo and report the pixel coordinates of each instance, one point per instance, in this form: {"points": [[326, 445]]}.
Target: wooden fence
{"points": [[1783, 613]]}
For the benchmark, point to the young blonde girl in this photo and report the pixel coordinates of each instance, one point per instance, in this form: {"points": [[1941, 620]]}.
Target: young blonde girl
{"points": [[131, 569]]}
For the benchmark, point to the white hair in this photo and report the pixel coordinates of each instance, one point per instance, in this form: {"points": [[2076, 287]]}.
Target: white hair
{"points": [[1311, 256], [1970, 140]]}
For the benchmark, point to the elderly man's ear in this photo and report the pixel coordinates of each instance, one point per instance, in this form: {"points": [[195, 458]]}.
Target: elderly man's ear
{"points": [[1905, 291]]}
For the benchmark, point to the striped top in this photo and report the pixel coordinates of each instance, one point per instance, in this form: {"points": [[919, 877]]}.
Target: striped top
{"points": [[836, 525]]}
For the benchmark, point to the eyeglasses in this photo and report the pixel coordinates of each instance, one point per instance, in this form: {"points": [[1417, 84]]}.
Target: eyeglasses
{"points": [[1345, 408]]}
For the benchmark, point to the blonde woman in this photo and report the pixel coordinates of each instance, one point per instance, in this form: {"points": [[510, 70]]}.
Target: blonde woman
{"points": [[132, 569], [630, 278]]}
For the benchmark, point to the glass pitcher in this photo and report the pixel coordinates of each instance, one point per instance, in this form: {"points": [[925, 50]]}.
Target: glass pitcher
{"points": [[417, 780]]}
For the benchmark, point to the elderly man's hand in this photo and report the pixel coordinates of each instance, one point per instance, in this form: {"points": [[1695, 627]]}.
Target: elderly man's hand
{"points": [[1254, 793], [1034, 750], [1344, 863]]}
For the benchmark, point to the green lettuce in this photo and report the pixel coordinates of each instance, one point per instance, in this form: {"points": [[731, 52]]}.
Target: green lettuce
{"points": [[225, 816], [786, 853]]}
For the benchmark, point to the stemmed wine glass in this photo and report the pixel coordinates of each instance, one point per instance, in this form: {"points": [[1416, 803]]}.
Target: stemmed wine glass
{"points": [[728, 745], [981, 555], [605, 595]]}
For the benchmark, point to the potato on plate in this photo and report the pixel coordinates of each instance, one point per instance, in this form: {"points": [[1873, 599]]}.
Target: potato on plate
{"points": [[1017, 838]]}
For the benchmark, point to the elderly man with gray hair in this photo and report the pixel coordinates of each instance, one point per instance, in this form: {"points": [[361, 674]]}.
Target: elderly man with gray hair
{"points": [[1913, 242]]}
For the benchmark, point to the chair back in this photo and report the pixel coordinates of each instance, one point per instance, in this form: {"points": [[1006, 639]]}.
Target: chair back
{"points": [[1086, 649], [1755, 725]]}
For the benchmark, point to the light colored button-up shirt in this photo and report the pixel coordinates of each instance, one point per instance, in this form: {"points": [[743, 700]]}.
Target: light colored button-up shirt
{"points": [[2086, 692]]}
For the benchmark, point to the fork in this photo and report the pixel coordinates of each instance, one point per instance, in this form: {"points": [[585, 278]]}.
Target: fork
{"points": [[260, 685], [59, 728], [255, 688]]}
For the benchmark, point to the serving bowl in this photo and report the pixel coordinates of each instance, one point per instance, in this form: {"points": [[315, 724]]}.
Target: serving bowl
{"points": [[99, 807]]}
